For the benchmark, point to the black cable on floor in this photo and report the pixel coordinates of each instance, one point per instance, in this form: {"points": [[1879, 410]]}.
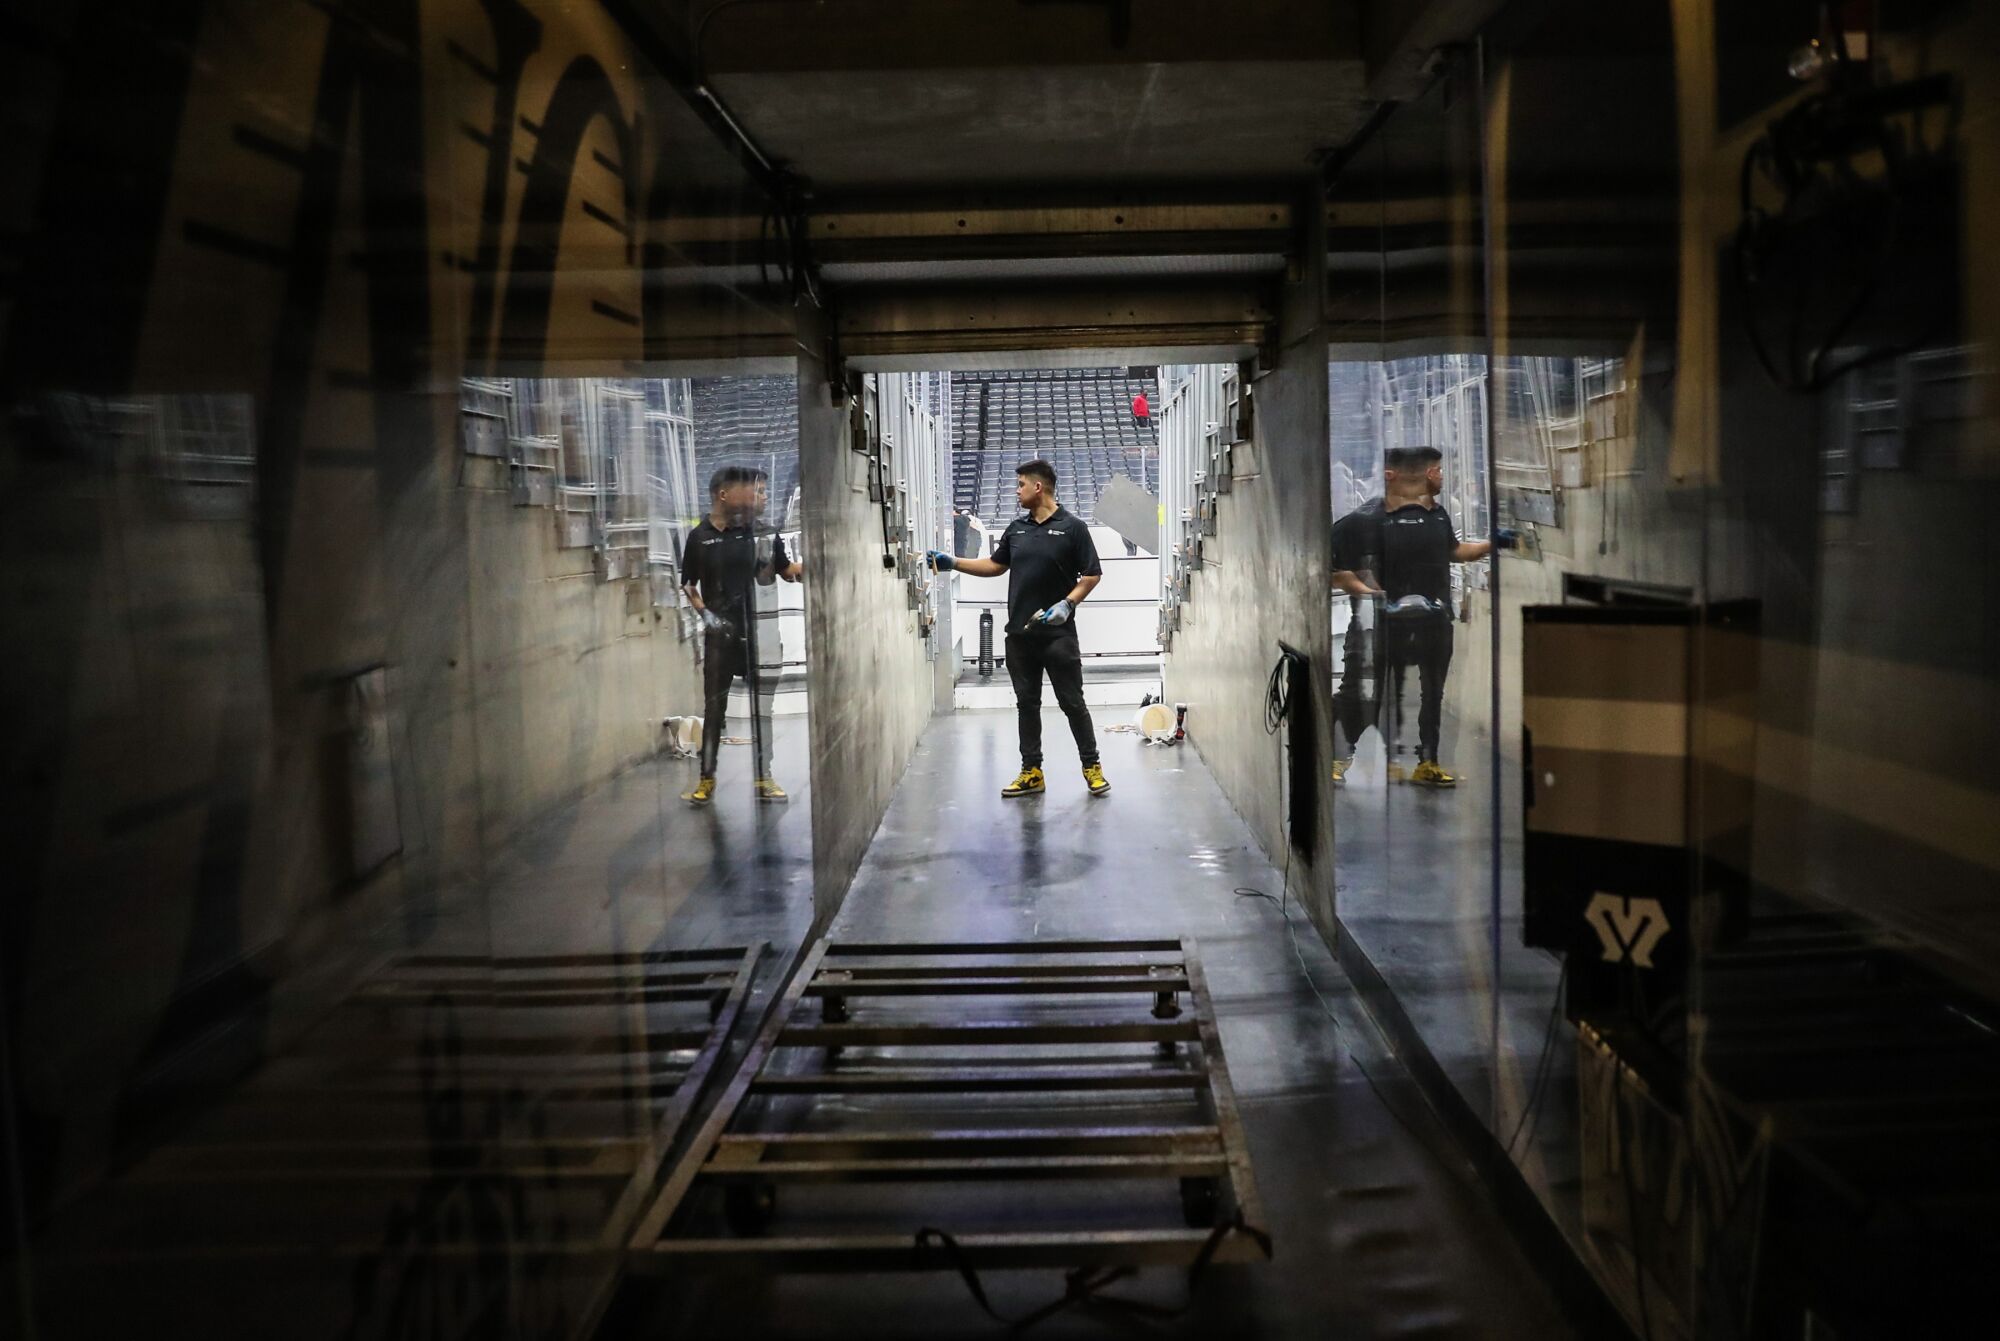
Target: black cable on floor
{"points": [[1531, 1114], [1277, 710], [1277, 698], [1326, 1008], [1085, 1285], [1624, 1157]]}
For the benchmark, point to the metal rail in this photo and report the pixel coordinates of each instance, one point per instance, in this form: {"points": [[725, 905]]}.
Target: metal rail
{"points": [[377, 1063], [885, 1029]]}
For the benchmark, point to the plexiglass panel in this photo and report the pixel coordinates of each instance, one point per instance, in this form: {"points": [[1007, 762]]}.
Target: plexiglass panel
{"points": [[1649, 936], [370, 950]]}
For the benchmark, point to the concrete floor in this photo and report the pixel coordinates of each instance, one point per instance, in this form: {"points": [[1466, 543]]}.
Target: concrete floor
{"points": [[1379, 1230], [187, 1243], [1416, 888]]}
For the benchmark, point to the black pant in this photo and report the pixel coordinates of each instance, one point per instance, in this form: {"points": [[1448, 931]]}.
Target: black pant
{"points": [[1354, 710], [725, 655], [1062, 657], [1425, 644]]}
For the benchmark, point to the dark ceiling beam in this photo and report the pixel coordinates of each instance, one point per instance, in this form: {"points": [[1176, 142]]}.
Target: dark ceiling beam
{"points": [[1335, 161], [1400, 36], [775, 36], [946, 231], [782, 189], [887, 323]]}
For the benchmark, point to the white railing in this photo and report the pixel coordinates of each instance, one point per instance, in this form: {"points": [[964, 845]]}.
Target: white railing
{"points": [[1197, 431], [612, 457], [914, 453]]}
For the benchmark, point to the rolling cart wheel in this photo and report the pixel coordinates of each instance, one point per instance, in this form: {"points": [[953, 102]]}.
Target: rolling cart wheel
{"points": [[833, 1010], [1199, 1201], [749, 1208]]}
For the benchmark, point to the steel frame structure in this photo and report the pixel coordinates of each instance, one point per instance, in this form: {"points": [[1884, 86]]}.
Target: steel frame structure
{"points": [[871, 1047], [718, 977], [612, 457], [526, 1068]]}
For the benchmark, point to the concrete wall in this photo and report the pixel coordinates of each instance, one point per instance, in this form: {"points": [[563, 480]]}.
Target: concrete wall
{"points": [[1264, 578], [870, 680]]}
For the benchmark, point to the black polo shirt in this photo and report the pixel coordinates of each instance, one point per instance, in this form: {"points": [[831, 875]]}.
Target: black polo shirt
{"points": [[1044, 560], [725, 563], [1409, 550], [1357, 541]]}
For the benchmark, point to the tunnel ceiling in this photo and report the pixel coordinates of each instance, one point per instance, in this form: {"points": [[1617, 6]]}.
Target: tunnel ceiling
{"points": [[958, 162], [1056, 126]]}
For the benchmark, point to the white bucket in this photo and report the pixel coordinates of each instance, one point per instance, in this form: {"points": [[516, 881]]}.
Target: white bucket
{"points": [[1155, 722], [683, 736]]}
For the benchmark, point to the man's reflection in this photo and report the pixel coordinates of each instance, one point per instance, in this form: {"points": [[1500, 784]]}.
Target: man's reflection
{"points": [[731, 553], [1393, 554], [1355, 569]]}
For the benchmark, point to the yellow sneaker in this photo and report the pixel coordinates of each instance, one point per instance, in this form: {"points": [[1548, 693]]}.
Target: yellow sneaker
{"points": [[769, 790], [1428, 774], [1093, 777], [1340, 772], [1030, 782], [703, 793]]}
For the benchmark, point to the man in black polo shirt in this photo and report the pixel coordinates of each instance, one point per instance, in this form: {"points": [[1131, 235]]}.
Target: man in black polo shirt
{"points": [[1399, 550], [1051, 566], [730, 553], [1357, 569]]}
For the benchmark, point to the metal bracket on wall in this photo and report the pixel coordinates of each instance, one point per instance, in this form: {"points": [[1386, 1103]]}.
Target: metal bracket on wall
{"points": [[857, 428], [1243, 422], [842, 386]]}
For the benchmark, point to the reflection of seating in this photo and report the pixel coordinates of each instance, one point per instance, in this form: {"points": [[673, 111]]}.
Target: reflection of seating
{"points": [[1077, 419], [751, 421]]}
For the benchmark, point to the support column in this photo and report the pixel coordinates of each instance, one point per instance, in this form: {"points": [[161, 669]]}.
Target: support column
{"points": [[867, 674], [1264, 579]]}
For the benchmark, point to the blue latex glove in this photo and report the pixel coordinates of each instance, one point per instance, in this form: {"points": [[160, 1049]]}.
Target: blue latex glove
{"points": [[713, 622], [1055, 615], [940, 561], [1505, 537]]}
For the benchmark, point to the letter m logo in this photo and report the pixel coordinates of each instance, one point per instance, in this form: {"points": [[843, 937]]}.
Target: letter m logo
{"points": [[1626, 927]]}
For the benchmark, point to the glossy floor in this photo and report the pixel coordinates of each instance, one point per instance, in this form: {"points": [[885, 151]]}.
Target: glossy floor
{"points": [[1379, 1230]]}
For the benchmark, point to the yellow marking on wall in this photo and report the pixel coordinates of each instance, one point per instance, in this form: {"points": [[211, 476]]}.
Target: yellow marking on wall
{"points": [[1621, 726]]}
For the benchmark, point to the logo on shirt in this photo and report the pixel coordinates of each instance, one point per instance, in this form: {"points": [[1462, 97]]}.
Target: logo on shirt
{"points": [[1057, 533]]}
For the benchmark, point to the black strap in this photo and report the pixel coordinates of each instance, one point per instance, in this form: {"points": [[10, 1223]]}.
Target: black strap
{"points": [[1085, 1285], [927, 1237]]}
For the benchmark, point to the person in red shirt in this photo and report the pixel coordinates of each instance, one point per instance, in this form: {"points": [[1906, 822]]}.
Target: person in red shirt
{"points": [[1140, 410]]}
